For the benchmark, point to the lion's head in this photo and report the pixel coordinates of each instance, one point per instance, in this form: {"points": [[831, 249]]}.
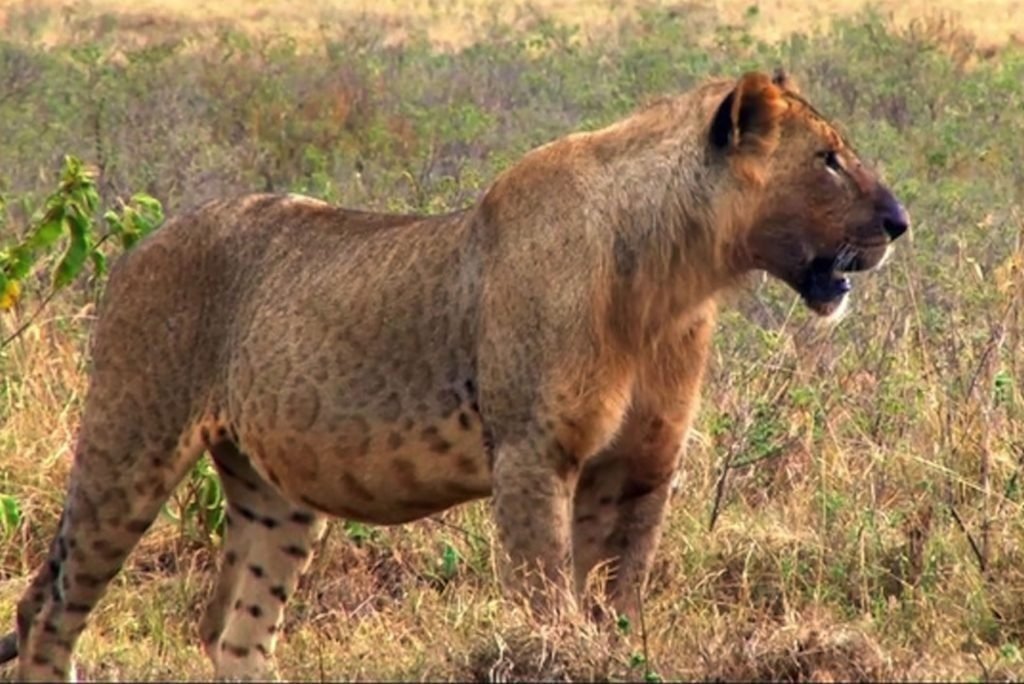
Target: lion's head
{"points": [[822, 213]]}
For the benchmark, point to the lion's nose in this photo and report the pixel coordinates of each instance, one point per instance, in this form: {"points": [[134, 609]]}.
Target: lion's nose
{"points": [[896, 223], [895, 219]]}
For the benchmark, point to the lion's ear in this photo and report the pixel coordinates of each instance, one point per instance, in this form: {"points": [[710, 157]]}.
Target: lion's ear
{"points": [[747, 120], [784, 81]]}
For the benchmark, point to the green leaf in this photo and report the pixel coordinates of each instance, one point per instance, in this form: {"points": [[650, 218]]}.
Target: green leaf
{"points": [[74, 257], [90, 195], [99, 262], [1003, 387], [1010, 653], [48, 232], [149, 207], [449, 561], [79, 214], [20, 262], [139, 217], [71, 170], [10, 514], [357, 531], [10, 292], [146, 213], [115, 222]]}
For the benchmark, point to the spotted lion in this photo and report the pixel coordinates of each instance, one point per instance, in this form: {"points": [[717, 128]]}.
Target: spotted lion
{"points": [[544, 347]]}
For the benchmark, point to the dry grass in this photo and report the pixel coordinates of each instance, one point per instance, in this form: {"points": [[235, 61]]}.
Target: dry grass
{"points": [[739, 603], [456, 23]]}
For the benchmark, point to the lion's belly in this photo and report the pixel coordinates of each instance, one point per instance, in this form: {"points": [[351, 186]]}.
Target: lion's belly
{"points": [[384, 472], [366, 406]]}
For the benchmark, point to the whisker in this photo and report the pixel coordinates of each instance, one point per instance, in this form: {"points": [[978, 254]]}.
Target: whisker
{"points": [[844, 257]]}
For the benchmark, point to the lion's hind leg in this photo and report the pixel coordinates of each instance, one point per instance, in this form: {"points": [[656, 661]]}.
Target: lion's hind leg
{"points": [[126, 465], [268, 546]]}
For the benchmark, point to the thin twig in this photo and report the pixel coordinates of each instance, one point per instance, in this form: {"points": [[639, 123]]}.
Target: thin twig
{"points": [[320, 658], [974, 546], [774, 453], [1011, 483], [467, 533], [985, 677], [726, 468], [27, 324], [643, 631], [719, 493], [995, 341]]}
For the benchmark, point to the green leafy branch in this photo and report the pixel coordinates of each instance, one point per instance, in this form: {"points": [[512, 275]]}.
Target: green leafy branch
{"points": [[68, 217]]}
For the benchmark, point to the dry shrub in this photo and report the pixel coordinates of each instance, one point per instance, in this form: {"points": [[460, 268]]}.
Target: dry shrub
{"points": [[526, 651], [1005, 594], [798, 650], [349, 580]]}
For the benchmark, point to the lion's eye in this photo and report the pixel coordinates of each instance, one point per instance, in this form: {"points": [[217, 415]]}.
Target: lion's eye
{"points": [[831, 160]]}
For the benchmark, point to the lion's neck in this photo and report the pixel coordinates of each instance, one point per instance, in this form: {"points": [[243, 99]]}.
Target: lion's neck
{"points": [[668, 258]]}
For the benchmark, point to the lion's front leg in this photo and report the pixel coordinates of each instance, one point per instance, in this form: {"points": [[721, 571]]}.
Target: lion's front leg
{"points": [[620, 507], [623, 494], [539, 450], [633, 542], [533, 485], [549, 401]]}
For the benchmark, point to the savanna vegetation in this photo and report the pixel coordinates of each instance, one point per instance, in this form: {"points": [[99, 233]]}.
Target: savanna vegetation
{"points": [[852, 505]]}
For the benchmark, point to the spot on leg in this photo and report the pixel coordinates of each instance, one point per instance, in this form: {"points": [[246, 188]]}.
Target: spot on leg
{"points": [[301, 518], [272, 476], [295, 551], [87, 580], [466, 465], [448, 401], [246, 513], [137, 526]]}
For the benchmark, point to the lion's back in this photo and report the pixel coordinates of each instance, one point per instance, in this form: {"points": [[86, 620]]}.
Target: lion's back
{"points": [[259, 275]]}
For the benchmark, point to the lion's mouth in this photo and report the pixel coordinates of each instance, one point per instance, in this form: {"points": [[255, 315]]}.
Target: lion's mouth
{"points": [[824, 285]]}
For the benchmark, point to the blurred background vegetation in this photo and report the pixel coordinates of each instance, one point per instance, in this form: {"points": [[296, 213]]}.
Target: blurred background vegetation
{"points": [[852, 504]]}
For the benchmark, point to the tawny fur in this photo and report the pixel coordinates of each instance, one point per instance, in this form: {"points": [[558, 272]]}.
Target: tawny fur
{"points": [[545, 346]]}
